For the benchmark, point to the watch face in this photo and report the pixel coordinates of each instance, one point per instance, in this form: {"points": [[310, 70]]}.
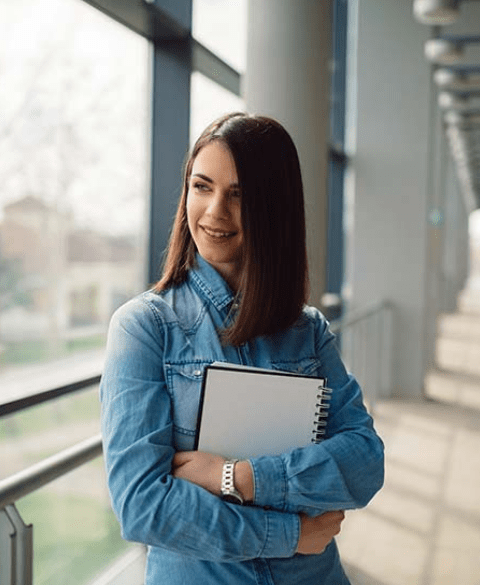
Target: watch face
{"points": [[232, 499]]}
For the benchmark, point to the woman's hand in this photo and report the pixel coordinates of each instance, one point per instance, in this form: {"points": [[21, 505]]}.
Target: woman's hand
{"points": [[205, 470], [316, 533]]}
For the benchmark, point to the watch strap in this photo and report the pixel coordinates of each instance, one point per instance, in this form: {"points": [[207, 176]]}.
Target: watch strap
{"points": [[228, 489]]}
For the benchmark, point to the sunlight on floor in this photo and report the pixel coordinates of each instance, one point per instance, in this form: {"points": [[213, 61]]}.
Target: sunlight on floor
{"points": [[423, 528]]}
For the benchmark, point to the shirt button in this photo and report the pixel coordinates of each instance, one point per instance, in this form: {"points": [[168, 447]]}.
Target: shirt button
{"points": [[197, 373]]}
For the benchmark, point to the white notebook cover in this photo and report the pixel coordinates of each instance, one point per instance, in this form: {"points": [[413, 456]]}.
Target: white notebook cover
{"points": [[247, 412]]}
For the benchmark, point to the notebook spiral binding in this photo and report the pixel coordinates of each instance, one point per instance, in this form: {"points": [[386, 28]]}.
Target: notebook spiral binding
{"points": [[323, 397]]}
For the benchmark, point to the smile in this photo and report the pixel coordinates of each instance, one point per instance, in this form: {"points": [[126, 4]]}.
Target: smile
{"points": [[217, 233]]}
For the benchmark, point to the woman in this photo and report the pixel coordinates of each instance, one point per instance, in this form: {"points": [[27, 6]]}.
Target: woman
{"points": [[233, 290]]}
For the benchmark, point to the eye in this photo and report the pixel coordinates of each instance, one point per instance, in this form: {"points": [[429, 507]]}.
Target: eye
{"points": [[200, 187], [235, 193]]}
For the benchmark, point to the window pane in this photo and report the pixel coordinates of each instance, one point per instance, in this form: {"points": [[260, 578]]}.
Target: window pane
{"points": [[33, 434], [76, 535], [209, 101], [222, 27], [73, 145]]}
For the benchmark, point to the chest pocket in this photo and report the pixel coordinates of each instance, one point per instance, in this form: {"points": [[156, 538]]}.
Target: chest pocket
{"points": [[184, 384], [304, 366]]}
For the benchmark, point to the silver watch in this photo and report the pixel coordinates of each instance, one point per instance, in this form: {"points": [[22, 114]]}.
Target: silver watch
{"points": [[228, 489]]}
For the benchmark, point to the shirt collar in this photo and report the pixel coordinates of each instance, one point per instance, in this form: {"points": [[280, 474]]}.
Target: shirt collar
{"points": [[210, 284]]}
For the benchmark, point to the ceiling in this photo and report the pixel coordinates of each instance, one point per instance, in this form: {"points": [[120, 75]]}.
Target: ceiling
{"points": [[454, 52]]}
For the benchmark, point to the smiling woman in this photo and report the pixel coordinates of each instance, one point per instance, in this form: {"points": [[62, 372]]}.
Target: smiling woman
{"points": [[233, 290], [262, 159]]}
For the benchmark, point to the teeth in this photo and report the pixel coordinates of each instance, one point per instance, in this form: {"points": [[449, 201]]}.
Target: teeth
{"points": [[217, 234]]}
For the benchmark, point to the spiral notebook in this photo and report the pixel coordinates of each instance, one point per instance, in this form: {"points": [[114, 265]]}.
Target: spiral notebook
{"points": [[249, 412]]}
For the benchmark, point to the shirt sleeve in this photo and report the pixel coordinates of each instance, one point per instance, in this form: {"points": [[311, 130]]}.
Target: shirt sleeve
{"points": [[153, 507], [342, 472]]}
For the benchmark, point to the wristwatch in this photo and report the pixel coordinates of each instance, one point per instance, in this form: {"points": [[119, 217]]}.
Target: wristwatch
{"points": [[228, 489]]}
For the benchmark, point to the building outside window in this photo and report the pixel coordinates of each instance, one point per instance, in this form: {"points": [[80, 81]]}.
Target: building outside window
{"points": [[74, 183]]}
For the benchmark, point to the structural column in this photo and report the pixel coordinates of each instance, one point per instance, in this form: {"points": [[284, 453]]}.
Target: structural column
{"points": [[387, 184], [288, 78]]}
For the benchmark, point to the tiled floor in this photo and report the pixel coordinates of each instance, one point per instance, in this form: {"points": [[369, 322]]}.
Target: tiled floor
{"points": [[423, 528]]}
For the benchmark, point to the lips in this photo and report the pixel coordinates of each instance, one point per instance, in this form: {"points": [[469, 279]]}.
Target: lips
{"points": [[217, 233]]}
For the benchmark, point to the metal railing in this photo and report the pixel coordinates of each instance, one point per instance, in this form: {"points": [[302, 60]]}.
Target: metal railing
{"points": [[365, 340], [17, 404], [16, 537]]}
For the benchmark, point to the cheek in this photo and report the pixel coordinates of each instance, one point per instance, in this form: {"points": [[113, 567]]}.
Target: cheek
{"points": [[190, 208], [238, 217]]}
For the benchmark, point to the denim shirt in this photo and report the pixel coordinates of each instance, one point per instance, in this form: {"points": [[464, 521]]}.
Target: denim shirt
{"points": [[158, 347]]}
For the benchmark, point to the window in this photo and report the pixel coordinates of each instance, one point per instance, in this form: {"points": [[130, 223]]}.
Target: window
{"points": [[74, 175], [74, 181]]}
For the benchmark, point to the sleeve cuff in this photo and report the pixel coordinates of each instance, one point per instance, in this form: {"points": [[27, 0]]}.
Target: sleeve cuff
{"points": [[283, 534], [270, 482]]}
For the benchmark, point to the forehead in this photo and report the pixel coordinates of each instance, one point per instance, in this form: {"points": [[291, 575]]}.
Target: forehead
{"points": [[216, 161]]}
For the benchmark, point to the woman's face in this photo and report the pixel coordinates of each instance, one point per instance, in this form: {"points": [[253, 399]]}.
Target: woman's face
{"points": [[214, 211]]}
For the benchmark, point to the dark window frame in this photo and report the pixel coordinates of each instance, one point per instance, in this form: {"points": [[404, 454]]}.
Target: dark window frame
{"points": [[338, 159]]}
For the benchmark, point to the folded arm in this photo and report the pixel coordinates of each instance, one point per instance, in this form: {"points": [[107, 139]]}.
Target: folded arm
{"points": [[152, 506]]}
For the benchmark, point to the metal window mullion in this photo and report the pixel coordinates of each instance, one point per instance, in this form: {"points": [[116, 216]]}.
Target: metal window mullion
{"points": [[215, 69], [149, 19], [172, 67]]}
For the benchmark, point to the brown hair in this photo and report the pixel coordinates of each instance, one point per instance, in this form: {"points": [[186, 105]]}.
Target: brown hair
{"points": [[274, 280]]}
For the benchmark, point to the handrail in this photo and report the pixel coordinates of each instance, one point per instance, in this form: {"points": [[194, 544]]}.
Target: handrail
{"points": [[29, 480], [359, 315], [18, 404], [365, 342]]}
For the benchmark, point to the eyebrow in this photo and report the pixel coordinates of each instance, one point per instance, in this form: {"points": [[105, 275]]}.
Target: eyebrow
{"points": [[204, 177], [209, 180]]}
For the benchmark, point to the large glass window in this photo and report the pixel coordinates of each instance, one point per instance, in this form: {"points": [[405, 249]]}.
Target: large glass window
{"points": [[74, 177], [74, 180]]}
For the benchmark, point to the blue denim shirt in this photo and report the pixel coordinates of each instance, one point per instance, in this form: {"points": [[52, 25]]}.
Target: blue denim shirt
{"points": [[158, 347]]}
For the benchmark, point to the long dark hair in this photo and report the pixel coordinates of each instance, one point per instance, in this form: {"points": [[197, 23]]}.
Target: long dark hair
{"points": [[274, 282]]}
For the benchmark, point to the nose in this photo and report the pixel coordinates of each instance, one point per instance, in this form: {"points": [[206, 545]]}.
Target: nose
{"points": [[219, 207]]}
